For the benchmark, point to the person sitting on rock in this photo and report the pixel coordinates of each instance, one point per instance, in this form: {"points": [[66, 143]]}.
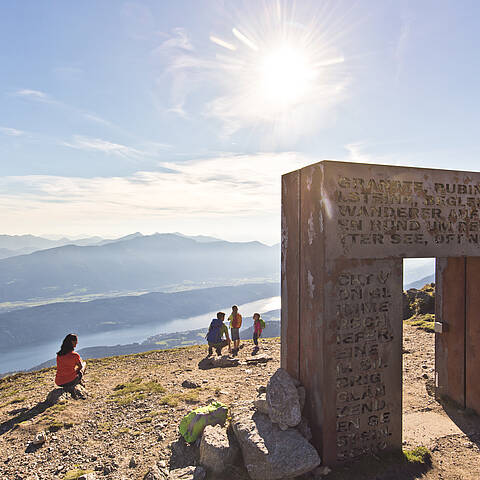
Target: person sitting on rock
{"points": [[235, 320], [215, 333], [70, 367], [258, 326]]}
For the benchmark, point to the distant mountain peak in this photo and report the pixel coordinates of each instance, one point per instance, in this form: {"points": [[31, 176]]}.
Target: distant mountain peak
{"points": [[199, 238]]}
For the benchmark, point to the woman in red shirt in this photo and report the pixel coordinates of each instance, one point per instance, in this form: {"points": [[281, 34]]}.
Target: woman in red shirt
{"points": [[70, 368]]}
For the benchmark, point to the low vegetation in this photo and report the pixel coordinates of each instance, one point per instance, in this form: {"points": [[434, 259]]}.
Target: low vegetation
{"points": [[419, 302], [418, 455], [423, 322], [136, 389], [173, 399]]}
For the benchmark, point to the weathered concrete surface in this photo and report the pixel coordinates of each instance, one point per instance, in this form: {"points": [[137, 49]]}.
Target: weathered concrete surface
{"points": [[379, 211], [363, 358], [345, 229], [290, 352]]}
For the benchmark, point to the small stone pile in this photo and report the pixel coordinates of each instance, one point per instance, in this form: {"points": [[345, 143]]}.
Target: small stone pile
{"points": [[273, 436], [269, 438]]}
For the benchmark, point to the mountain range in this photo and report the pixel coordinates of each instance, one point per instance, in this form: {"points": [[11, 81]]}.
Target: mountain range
{"points": [[421, 282], [13, 245], [134, 263]]}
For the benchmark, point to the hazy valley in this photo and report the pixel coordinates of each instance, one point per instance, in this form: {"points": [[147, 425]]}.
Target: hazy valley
{"points": [[135, 293]]}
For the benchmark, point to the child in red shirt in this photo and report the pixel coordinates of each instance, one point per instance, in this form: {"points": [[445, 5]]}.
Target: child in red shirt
{"points": [[258, 326]]}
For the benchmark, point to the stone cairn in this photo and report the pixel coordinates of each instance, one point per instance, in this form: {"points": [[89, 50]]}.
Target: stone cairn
{"points": [[269, 436]]}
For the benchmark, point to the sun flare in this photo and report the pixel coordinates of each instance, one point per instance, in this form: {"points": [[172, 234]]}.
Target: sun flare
{"points": [[286, 75], [277, 73]]}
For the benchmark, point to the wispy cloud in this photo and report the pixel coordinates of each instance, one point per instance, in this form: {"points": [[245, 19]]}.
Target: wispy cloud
{"points": [[80, 142], [241, 88], [178, 40], [97, 119], [38, 96], [183, 65], [11, 132], [33, 95], [227, 187]]}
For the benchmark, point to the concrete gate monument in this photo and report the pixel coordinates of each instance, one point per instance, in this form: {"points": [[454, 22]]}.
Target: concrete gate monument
{"points": [[346, 228]]}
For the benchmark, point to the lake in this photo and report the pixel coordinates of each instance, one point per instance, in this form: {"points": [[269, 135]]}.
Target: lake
{"points": [[26, 357]]}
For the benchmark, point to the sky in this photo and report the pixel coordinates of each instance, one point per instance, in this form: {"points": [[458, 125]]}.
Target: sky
{"points": [[155, 116]]}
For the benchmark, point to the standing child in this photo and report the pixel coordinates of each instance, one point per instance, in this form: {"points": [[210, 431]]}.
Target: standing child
{"points": [[258, 326], [235, 323]]}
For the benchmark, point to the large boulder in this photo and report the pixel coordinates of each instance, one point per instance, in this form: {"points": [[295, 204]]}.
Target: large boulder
{"points": [[270, 453], [283, 401], [218, 450]]}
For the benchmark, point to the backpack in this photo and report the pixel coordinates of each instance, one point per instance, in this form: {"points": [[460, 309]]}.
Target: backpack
{"points": [[262, 323], [214, 334], [236, 321], [192, 425]]}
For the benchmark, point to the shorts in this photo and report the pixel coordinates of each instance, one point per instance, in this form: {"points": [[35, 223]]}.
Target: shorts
{"points": [[235, 333]]}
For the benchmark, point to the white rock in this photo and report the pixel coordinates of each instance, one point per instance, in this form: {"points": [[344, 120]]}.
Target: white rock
{"points": [[40, 438]]}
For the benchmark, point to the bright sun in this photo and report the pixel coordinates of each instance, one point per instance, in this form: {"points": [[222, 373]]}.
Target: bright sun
{"points": [[286, 76], [278, 72]]}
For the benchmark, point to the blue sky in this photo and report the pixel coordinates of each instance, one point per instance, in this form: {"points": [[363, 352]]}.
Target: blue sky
{"points": [[160, 116]]}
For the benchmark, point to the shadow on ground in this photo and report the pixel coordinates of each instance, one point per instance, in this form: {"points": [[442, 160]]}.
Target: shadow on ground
{"points": [[391, 466], [23, 414], [465, 418]]}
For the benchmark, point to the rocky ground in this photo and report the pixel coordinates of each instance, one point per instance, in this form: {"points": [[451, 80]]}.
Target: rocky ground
{"points": [[135, 403]]}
